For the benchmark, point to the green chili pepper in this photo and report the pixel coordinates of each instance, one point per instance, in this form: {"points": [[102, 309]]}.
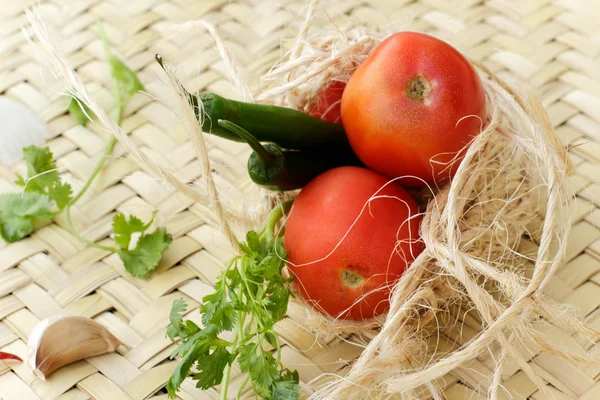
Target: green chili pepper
{"points": [[278, 169], [284, 126]]}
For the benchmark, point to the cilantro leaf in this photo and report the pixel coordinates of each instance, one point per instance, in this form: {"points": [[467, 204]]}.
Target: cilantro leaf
{"points": [[217, 311], [287, 387], [259, 364], [210, 368], [123, 229], [176, 319], [43, 176], [193, 350], [141, 261], [129, 80], [253, 242], [19, 212], [41, 171], [250, 296], [80, 110], [182, 371], [61, 193]]}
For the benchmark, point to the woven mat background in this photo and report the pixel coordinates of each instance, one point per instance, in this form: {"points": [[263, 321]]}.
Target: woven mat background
{"points": [[554, 45]]}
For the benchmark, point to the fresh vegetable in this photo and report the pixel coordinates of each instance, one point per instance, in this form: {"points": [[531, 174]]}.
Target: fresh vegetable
{"points": [[19, 214], [284, 126], [328, 103], [350, 235], [287, 127], [278, 169], [8, 356], [79, 110], [21, 128], [60, 340], [43, 177], [250, 296], [144, 257], [45, 195], [411, 107]]}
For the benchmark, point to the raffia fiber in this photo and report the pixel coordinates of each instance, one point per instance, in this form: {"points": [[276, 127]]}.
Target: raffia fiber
{"points": [[512, 175]]}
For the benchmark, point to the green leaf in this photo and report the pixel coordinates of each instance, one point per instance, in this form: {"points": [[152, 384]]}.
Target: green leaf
{"points": [[176, 318], [141, 261], [270, 338], [123, 229], [253, 242], [43, 176], [61, 193], [251, 286], [38, 160], [260, 364], [80, 110], [187, 342], [129, 80], [217, 311], [19, 212], [287, 387], [182, 371], [210, 368], [41, 171], [279, 296]]}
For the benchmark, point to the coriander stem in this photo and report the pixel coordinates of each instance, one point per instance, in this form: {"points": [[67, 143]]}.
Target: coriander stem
{"points": [[225, 382], [237, 336], [108, 149], [84, 240], [227, 370], [274, 217], [110, 145], [276, 336], [112, 141], [239, 394]]}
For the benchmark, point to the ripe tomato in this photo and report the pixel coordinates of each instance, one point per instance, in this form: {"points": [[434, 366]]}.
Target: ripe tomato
{"points": [[328, 103], [411, 107], [354, 279]]}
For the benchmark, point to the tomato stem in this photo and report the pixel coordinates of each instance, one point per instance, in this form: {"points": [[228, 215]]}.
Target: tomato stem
{"points": [[418, 88]]}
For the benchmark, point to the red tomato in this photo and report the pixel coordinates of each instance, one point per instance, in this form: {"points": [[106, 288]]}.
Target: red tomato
{"points": [[328, 103], [354, 279], [411, 107]]}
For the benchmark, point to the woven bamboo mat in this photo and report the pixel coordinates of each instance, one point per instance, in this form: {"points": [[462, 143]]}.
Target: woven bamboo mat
{"points": [[554, 45]]}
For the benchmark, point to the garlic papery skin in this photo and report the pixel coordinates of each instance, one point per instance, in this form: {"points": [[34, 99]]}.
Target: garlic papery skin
{"points": [[63, 339], [19, 127]]}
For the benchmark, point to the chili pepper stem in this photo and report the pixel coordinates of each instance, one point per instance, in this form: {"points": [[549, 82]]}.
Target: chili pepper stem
{"points": [[248, 138]]}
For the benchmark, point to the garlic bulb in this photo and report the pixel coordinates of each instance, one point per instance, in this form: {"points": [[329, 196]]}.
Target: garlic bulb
{"points": [[63, 339]]}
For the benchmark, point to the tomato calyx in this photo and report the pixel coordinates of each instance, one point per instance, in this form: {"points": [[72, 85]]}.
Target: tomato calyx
{"points": [[418, 88], [351, 279]]}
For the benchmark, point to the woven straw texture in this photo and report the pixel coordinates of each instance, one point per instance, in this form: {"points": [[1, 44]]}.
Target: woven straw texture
{"points": [[552, 44]]}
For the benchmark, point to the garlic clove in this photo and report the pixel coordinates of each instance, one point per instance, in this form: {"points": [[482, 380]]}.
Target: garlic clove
{"points": [[63, 339], [19, 127]]}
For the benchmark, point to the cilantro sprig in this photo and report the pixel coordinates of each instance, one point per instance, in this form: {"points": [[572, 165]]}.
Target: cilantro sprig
{"points": [[144, 257], [45, 195], [250, 297]]}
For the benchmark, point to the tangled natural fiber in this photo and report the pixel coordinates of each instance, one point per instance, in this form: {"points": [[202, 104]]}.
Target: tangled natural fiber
{"points": [[510, 185]]}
